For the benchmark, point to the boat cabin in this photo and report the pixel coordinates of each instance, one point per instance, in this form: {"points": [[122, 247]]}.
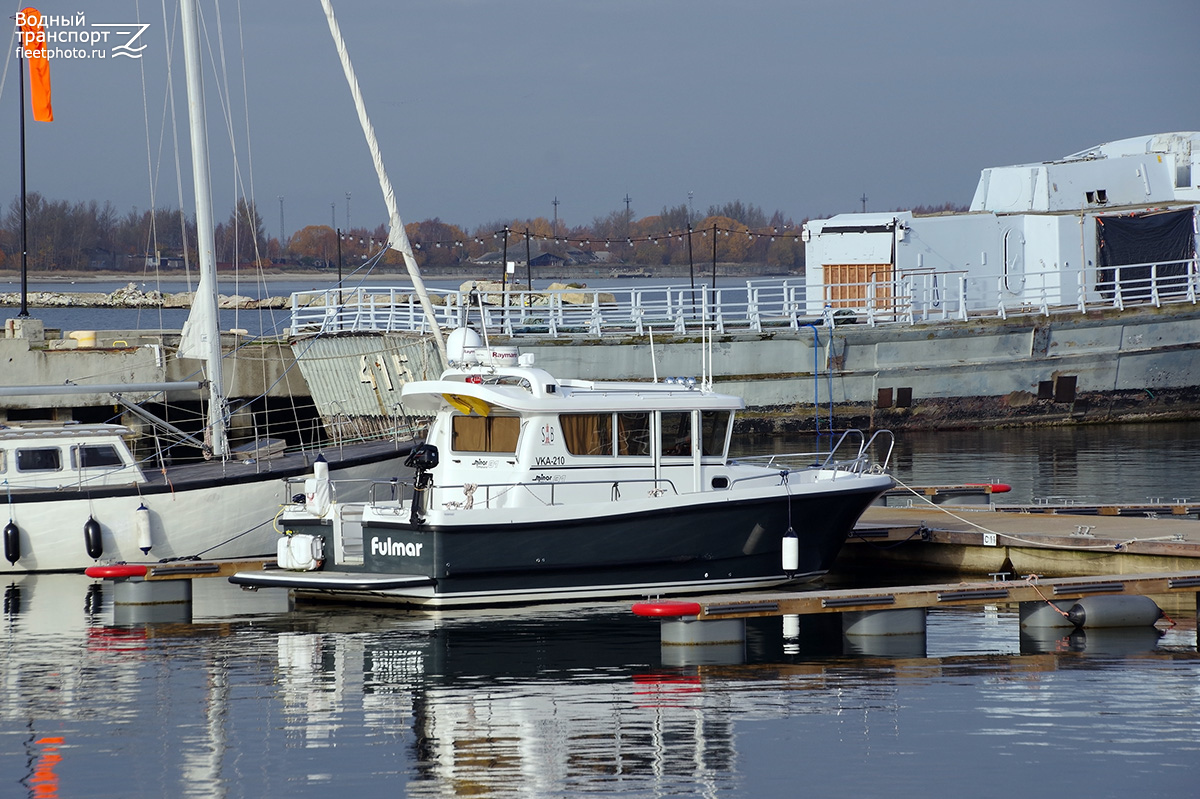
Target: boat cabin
{"points": [[512, 436], [49, 455]]}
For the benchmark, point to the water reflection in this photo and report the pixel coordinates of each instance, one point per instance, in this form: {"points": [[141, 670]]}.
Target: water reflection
{"points": [[550, 701], [1086, 464]]}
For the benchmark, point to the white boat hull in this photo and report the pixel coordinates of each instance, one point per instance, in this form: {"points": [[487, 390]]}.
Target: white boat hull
{"points": [[225, 518]]}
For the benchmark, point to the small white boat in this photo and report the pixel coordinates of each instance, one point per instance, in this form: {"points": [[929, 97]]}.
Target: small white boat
{"points": [[75, 496], [530, 488]]}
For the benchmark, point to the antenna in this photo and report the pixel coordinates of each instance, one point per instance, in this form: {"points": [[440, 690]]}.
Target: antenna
{"points": [[653, 359], [864, 201], [483, 320], [706, 357]]}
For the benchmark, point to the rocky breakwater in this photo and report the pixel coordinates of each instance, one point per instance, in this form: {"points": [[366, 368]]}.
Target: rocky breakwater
{"points": [[491, 292], [131, 296], [494, 293]]}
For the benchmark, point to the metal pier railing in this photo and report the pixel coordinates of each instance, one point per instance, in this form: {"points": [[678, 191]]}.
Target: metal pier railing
{"points": [[907, 297]]}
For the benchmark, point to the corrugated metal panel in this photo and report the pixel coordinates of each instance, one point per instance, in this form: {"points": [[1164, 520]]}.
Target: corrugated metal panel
{"points": [[355, 379]]}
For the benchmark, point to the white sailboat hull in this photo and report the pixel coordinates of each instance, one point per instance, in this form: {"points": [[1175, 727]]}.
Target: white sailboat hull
{"points": [[214, 511]]}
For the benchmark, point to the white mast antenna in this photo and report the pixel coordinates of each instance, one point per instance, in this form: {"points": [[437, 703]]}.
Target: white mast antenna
{"points": [[653, 359], [483, 320]]}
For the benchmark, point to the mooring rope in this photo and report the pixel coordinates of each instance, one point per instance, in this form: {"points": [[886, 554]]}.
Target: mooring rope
{"points": [[1010, 537]]}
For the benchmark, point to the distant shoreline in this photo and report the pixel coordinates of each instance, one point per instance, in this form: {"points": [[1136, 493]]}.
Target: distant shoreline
{"points": [[475, 272], [132, 277]]}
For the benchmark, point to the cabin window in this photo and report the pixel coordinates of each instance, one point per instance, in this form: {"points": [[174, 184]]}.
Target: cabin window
{"points": [[42, 459], [633, 433], [587, 433], [714, 430], [94, 456], [676, 433], [485, 433]]}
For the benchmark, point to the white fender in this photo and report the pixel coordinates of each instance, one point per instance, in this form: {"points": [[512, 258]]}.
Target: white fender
{"points": [[318, 489], [141, 523]]}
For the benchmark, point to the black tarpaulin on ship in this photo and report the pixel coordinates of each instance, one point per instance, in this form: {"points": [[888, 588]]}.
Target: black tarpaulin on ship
{"points": [[1135, 248]]}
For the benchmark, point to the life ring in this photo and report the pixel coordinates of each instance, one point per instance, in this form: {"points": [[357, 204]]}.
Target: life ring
{"points": [[116, 570], [468, 405]]}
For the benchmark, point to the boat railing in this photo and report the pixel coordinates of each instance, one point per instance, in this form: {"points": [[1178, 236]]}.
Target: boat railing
{"points": [[901, 296], [295, 488], [493, 492], [388, 491], [850, 455]]}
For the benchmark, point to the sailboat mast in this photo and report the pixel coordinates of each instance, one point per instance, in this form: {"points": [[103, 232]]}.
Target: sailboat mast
{"points": [[24, 217], [210, 337], [397, 235]]}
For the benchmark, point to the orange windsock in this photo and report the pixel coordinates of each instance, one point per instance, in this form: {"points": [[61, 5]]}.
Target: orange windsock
{"points": [[33, 45]]}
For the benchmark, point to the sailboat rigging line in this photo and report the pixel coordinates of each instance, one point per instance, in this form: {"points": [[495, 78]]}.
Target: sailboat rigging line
{"points": [[397, 235], [225, 98], [169, 29], [249, 148], [11, 40], [816, 390], [229, 540], [151, 245]]}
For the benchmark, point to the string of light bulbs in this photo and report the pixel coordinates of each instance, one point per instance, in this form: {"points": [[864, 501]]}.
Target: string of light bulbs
{"points": [[785, 232]]}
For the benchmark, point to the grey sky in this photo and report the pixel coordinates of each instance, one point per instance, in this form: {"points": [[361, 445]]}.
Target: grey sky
{"points": [[488, 110]]}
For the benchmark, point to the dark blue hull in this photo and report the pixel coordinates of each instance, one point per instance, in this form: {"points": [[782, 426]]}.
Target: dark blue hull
{"points": [[696, 548]]}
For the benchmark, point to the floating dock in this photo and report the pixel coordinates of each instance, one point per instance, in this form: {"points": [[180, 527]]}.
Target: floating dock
{"points": [[179, 570], [989, 592], [1024, 540]]}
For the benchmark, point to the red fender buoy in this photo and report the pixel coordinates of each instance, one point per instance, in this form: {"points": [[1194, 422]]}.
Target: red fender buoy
{"points": [[116, 570], [666, 608]]}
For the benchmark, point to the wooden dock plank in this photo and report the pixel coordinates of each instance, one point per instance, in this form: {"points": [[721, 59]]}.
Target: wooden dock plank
{"points": [[189, 569]]}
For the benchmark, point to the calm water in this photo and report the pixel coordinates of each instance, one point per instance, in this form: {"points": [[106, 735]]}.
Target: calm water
{"points": [[574, 702], [246, 699], [1111, 463]]}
